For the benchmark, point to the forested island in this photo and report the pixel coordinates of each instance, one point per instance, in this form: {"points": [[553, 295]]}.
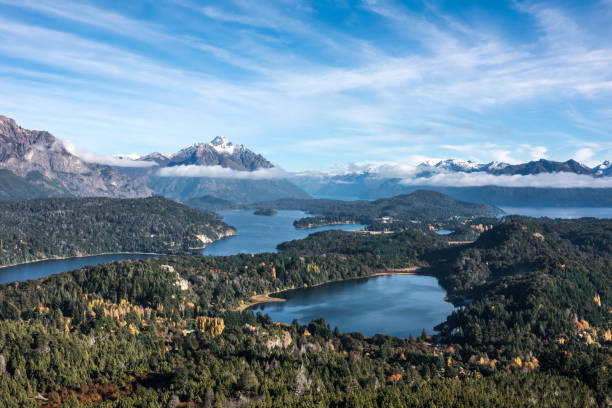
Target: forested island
{"points": [[66, 227], [270, 212], [534, 329], [420, 207]]}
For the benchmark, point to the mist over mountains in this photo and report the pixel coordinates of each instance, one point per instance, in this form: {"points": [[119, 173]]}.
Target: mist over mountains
{"points": [[37, 164]]}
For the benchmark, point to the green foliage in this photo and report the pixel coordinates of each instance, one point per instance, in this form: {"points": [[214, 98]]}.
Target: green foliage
{"points": [[63, 227], [124, 334]]}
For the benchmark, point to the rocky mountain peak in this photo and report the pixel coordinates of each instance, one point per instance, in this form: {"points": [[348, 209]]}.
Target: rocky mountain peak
{"points": [[25, 152], [220, 141]]}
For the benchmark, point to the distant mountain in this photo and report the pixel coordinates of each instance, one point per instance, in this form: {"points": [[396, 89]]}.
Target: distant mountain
{"points": [[372, 184], [238, 188], [210, 203], [47, 169], [501, 168], [420, 204], [604, 169], [543, 166]]}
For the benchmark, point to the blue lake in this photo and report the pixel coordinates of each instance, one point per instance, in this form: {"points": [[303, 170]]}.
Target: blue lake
{"points": [[256, 234], [41, 269], [397, 305], [261, 233]]}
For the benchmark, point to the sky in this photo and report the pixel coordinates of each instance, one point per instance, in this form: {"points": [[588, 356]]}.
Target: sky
{"points": [[315, 85]]}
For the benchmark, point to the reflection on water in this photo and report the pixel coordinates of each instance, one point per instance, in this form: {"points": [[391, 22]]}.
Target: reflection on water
{"points": [[41, 269], [398, 305], [255, 234], [258, 233]]}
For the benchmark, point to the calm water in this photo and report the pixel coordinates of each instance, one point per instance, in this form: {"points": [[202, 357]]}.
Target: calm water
{"points": [[259, 233], [443, 232], [41, 269], [256, 233], [397, 305], [560, 212]]}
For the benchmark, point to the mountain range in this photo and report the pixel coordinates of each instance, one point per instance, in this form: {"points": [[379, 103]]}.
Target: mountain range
{"points": [[378, 182], [179, 176], [501, 168], [37, 164]]}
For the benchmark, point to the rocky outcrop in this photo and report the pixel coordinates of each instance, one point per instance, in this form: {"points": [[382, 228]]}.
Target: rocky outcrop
{"points": [[42, 158]]}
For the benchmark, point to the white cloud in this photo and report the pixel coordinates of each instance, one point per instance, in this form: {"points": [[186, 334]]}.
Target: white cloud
{"points": [[584, 154], [103, 159], [555, 180], [503, 156], [222, 172], [537, 152], [353, 83]]}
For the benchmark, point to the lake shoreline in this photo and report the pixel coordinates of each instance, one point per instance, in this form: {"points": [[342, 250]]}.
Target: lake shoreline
{"points": [[60, 258], [264, 298]]}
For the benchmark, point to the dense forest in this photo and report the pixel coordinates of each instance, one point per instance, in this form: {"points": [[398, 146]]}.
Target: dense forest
{"points": [[64, 227], [533, 328], [421, 205]]}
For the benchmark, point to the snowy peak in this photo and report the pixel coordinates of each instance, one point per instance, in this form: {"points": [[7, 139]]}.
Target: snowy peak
{"points": [[604, 169], [495, 165], [223, 146], [459, 165], [220, 141]]}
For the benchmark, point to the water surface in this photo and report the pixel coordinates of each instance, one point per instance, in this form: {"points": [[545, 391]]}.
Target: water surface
{"points": [[397, 305], [258, 233], [41, 269]]}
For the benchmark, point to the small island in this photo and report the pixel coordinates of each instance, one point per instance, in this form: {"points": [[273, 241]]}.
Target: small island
{"points": [[270, 212]]}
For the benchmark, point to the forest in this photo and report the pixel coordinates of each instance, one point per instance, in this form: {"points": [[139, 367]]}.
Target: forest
{"points": [[421, 205], [64, 227], [532, 327]]}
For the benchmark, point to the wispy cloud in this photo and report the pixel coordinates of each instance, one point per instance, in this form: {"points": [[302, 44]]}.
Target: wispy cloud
{"points": [[104, 159], [272, 75], [554, 180], [222, 172]]}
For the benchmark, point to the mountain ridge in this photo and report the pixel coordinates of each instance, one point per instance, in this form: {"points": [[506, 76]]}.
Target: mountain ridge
{"points": [[43, 158]]}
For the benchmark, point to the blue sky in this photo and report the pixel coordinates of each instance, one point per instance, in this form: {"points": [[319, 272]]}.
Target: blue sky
{"points": [[315, 85]]}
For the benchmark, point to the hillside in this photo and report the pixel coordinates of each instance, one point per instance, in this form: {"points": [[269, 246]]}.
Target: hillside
{"points": [[64, 227], [536, 327], [51, 170], [242, 191], [421, 205], [33, 185]]}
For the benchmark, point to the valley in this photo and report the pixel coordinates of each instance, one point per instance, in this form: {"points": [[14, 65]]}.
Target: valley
{"points": [[523, 286]]}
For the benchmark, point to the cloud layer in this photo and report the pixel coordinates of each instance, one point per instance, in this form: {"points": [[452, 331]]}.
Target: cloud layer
{"points": [[310, 85], [554, 180], [222, 172], [110, 160]]}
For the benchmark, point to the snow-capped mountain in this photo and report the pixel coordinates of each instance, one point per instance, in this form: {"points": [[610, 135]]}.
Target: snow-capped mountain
{"points": [[219, 152], [426, 169], [604, 169], [460, 165], [488, 185], [235, 186]]}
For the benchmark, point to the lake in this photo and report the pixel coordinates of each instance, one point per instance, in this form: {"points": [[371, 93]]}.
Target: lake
{"points": [[256, 233], [41, 269], [261, 233], [397, 305]]}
